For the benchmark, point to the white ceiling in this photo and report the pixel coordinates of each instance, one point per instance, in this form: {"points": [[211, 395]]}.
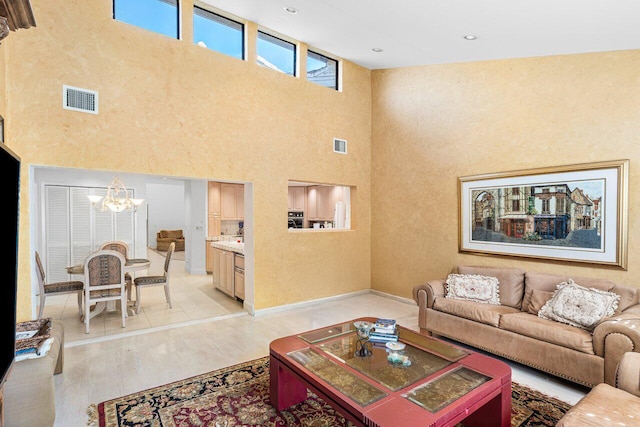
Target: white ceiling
{"points": [[422, 32]]}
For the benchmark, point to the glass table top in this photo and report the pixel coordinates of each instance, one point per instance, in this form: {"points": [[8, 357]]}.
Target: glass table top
{"points": [[337, 376], [329, 332], [447, 388], [394, 376], [333, 357]]}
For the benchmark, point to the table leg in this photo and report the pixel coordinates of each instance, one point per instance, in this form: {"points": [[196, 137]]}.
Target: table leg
{"points": [[496, 412], [99, 308], [285, 390]]}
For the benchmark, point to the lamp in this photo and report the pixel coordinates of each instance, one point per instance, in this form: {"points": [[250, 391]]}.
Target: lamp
{"points": [[117, 198]]}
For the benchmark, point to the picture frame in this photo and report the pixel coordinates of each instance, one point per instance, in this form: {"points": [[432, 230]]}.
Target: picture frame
{"points": [[573, 213]]}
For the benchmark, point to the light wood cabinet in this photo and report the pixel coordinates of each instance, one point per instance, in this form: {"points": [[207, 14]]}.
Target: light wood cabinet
{"points": [[231, 201], [216, 255], [214, 227], [223, 271], [240, 201], [239, 284], [214, 198], [209, 257], [296, 198], [312, 205], [321, 201], [239, 276], [229, 278]]}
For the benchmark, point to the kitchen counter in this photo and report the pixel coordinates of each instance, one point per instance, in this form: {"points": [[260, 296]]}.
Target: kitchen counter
{"points": [[229, 246], [222, 238]]}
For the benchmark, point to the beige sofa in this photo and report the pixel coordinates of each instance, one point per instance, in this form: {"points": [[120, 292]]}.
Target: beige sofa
{"points": [[29, 393], [513, 329], [165, 237], [605, 405]]}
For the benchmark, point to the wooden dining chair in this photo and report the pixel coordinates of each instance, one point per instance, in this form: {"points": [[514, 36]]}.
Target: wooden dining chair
{"points": [[104, 281], [117, 245], [163, 280], [123, 248], [56, 288]]}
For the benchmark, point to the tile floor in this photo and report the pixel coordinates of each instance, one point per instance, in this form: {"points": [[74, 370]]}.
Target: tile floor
{"points": [[193, 298], [109, 364]]}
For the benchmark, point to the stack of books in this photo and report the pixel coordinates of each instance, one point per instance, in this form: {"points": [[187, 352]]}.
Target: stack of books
{"points": [[384, 330]]}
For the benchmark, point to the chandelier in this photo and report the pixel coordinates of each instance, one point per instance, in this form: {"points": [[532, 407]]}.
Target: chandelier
{"points": [[117, 198]]}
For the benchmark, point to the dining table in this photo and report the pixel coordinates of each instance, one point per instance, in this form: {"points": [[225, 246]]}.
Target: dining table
{"points": [[131, 265]]}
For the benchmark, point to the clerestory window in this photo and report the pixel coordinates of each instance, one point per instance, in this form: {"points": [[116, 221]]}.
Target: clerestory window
{"points": [[160, 16], [322, 70], [277, 54], [218, 33]]}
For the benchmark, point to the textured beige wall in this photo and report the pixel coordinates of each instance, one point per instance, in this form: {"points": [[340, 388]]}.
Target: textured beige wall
{"points": [[169, 107], [433, 124]]}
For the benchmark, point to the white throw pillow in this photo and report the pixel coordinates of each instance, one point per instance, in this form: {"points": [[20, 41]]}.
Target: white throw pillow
{"points": [[578, 306], [473, 287]]}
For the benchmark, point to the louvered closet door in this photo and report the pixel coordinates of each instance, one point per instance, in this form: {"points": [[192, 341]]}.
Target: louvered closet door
{"points": [[56, 229], [74, 228], [80, 225]]}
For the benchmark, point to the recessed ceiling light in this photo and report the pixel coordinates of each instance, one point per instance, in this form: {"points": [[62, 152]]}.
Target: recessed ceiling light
{"points": [[470, 37], [376, 49], [291, 10]]}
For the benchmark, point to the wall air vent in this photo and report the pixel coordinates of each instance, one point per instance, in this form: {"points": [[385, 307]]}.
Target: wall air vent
{"points": [[76, 99], [339, 146]]}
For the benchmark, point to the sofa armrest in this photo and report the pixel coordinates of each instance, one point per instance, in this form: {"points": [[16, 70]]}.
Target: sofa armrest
{"points": [[626, 323], [425, 294], [628, 374], [29, 393], [616, 336]]}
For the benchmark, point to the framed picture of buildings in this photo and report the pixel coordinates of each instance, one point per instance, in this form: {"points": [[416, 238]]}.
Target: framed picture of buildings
{"points": [[575, 213]]}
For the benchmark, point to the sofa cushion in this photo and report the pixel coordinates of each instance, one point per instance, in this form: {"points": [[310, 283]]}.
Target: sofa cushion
{"points": [[538, 299], [473, 287], [477, 311], [548, 331], [578, 306], [511, 282]]}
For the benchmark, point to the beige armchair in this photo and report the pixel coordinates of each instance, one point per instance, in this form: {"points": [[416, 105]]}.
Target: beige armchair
{"points": [[606, 405], [166, 237]]}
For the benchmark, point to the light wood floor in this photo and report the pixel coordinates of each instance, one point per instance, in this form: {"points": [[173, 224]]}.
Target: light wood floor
{"points": [[109, 366]]}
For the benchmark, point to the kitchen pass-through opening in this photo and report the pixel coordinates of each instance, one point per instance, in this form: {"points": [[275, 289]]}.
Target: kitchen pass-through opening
{"points": [[315, 206]]}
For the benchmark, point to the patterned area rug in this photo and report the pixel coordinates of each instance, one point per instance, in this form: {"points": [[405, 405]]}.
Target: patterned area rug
{"points": [[239, 396]]}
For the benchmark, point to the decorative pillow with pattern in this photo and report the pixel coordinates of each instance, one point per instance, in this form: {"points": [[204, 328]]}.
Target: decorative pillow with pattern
{"points": [[473, 287], [578, 306]]}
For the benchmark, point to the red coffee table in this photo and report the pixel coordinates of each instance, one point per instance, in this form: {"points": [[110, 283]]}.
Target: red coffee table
{"points": [[443, 385]]}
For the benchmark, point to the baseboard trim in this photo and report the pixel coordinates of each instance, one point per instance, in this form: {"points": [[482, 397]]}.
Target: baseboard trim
{"points": [[409, 301], [153, 329], [286, 307]]}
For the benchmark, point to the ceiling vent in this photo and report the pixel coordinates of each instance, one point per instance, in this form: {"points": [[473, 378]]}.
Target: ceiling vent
{"points": [[339, 146], [76, 99]]}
